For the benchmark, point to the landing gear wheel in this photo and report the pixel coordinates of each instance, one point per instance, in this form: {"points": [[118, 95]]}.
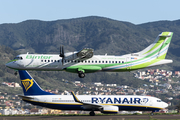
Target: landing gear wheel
{"points": [[15, 73], [92, 113], [152, 113], [81, 74]]}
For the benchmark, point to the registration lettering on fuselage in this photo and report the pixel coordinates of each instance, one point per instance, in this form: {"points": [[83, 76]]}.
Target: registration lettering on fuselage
{"points": [[118, 100], [38, 57]]}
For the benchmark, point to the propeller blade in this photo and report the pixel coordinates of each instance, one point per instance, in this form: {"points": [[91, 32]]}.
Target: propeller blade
{"points": [[60, 52], [63, 51]]}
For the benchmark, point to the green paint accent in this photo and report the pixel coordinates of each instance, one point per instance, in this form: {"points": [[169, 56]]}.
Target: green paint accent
{"points": [[96, 67], [155, 52], [12, 61], [80, 69], [143, 65], [86, 68], [161, 39], [162, 56], [165, 33], [38, 57]]}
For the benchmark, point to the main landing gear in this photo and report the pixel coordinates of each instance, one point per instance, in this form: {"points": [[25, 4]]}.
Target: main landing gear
{"points": [[81, 74], [15, 73], [152, 113], [92, 113]]}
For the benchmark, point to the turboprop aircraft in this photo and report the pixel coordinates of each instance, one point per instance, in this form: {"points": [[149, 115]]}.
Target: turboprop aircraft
{"points": [[84, 61], [104, 103]]}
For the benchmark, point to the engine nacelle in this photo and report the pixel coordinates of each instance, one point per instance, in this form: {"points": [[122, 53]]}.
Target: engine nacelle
{"points": [[70, 55], [110, 109]]}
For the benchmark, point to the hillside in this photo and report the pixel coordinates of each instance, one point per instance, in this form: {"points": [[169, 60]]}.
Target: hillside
{"points": [[102, 34]]}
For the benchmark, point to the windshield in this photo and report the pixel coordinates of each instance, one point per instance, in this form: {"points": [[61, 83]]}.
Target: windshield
{"points": [[159, 101], [18, 58]]}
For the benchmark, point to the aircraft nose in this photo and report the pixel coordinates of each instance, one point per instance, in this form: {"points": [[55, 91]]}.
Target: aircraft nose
{"points": [[165, 105], [12, 65]]}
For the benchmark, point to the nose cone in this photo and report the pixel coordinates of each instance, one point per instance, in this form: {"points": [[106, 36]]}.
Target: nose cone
{"points": [[165, 105], [12, 65]]}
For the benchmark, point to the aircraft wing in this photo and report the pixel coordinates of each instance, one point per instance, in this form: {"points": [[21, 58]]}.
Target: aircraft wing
{"points": [[103, 108], [86, 105], [85, 53]]}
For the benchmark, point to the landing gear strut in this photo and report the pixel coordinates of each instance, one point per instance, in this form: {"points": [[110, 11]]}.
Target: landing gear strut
{"points": [[152, 113], [15, 73], [81, 74], [92, 113]]}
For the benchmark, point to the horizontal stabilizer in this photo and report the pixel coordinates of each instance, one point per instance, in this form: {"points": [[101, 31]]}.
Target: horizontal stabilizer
{"points": [[25, 97]]}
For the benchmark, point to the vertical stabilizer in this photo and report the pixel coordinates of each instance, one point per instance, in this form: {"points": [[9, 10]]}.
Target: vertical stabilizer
{"points": [[29, 85], [159, 47]]}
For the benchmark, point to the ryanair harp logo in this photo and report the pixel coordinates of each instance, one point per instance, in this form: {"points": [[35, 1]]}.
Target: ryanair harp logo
{"points": [[27, 83]]}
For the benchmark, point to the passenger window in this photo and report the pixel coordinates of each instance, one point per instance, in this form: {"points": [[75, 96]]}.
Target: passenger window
{"points": [[112, 61], [54, 60], [95, 61], [109, 61], [58, 60], [85, 61], [119, 61], [89, 61], [99, 61], [122, 61], [116, 61], [41, 60], [102, 61], [75, 61], [44, 60], [48, 60], [92, 61], [78, 61], [51, 60], [106, 61]]}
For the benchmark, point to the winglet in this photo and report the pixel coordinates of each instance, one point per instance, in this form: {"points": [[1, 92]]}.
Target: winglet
{"points": [[75, 98]]}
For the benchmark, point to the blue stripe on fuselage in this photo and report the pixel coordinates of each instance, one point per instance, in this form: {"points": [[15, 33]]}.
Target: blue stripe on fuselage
{"points": [[136, 63], [75, 106]]}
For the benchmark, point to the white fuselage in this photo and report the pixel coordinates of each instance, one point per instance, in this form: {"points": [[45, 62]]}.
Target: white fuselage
{"points": [[124, 102], [101, 62]]}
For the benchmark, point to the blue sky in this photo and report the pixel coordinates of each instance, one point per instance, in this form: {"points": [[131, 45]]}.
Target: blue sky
{"points": [[134, 11]]}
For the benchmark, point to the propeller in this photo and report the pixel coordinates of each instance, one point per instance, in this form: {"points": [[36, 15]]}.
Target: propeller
{"points": [[62, 53]]}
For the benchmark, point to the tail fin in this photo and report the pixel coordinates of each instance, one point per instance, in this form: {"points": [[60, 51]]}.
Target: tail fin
{"points": [[29, 85], [160, 46]]}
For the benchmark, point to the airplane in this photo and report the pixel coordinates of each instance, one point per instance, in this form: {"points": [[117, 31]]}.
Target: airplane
{"points": [[84, 61], [110, 104]]}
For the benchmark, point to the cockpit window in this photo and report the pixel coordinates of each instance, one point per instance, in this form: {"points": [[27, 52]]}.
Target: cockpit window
{"points": [[18, 58], [159, 101]]}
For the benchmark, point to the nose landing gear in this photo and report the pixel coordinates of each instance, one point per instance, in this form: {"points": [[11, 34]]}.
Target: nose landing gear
{"points": [[81, 74], [152, 113], [15, 73]]}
